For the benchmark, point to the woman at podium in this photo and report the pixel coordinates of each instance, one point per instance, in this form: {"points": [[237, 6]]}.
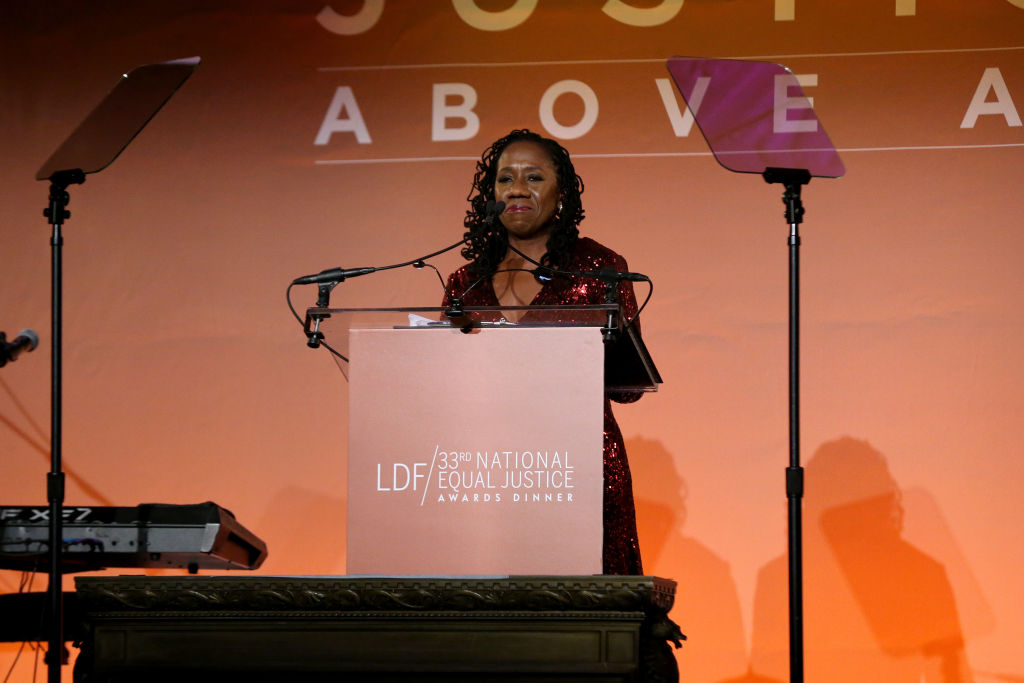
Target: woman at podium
{"points": [[533, 177]]}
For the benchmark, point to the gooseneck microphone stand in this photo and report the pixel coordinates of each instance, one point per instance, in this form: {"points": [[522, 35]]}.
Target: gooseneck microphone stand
{"points": [[57, 213], [793, 180]]}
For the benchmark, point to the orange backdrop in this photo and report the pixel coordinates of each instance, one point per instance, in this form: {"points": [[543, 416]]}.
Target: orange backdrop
{"points": [[313, 136]]}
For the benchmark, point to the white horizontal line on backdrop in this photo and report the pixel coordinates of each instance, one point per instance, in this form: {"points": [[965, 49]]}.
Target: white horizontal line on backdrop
{"points": [[568, 62], [640, 155]]}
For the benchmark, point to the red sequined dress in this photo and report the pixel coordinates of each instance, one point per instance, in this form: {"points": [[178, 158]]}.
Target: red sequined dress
{"points": [[621, 549]]}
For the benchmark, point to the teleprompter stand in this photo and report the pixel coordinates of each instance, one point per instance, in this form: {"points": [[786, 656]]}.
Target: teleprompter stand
{"points": [[756, 119], [93, 146]]}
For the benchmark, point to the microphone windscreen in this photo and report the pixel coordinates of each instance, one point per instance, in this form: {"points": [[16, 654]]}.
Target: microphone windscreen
{"points": [[492, 209], [32, 337]]}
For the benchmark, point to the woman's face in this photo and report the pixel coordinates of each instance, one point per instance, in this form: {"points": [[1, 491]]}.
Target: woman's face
{"points": [[528, 184]]}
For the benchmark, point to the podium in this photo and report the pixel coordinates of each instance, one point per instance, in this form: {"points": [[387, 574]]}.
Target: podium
{"points": [[463, 626], [476, 448]]}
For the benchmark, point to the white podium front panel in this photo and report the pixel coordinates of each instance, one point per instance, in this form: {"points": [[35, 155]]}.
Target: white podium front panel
{"points": [[475, 453]]}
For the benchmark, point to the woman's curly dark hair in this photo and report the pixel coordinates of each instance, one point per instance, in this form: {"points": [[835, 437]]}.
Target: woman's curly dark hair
{"points": [[487, 244]]}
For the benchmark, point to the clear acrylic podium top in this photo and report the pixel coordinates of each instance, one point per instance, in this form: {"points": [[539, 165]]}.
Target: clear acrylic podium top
{"points": [[628, 365]]}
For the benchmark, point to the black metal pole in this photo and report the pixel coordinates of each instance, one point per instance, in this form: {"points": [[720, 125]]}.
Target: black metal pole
{"points": [[793, 180], [57, 213], [794, 473]]}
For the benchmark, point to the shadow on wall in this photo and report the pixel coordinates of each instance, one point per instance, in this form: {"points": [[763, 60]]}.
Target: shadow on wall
{"points": [[876, 607], [707, 607]]}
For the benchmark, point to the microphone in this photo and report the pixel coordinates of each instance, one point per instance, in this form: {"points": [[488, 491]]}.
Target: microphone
{"points": [[492, 211], [606, 274], [26, 341], [610, 274], [332, 275]]}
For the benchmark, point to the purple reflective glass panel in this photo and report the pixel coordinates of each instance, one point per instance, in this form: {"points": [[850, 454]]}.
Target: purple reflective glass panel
{"points": [[754, 116]]}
